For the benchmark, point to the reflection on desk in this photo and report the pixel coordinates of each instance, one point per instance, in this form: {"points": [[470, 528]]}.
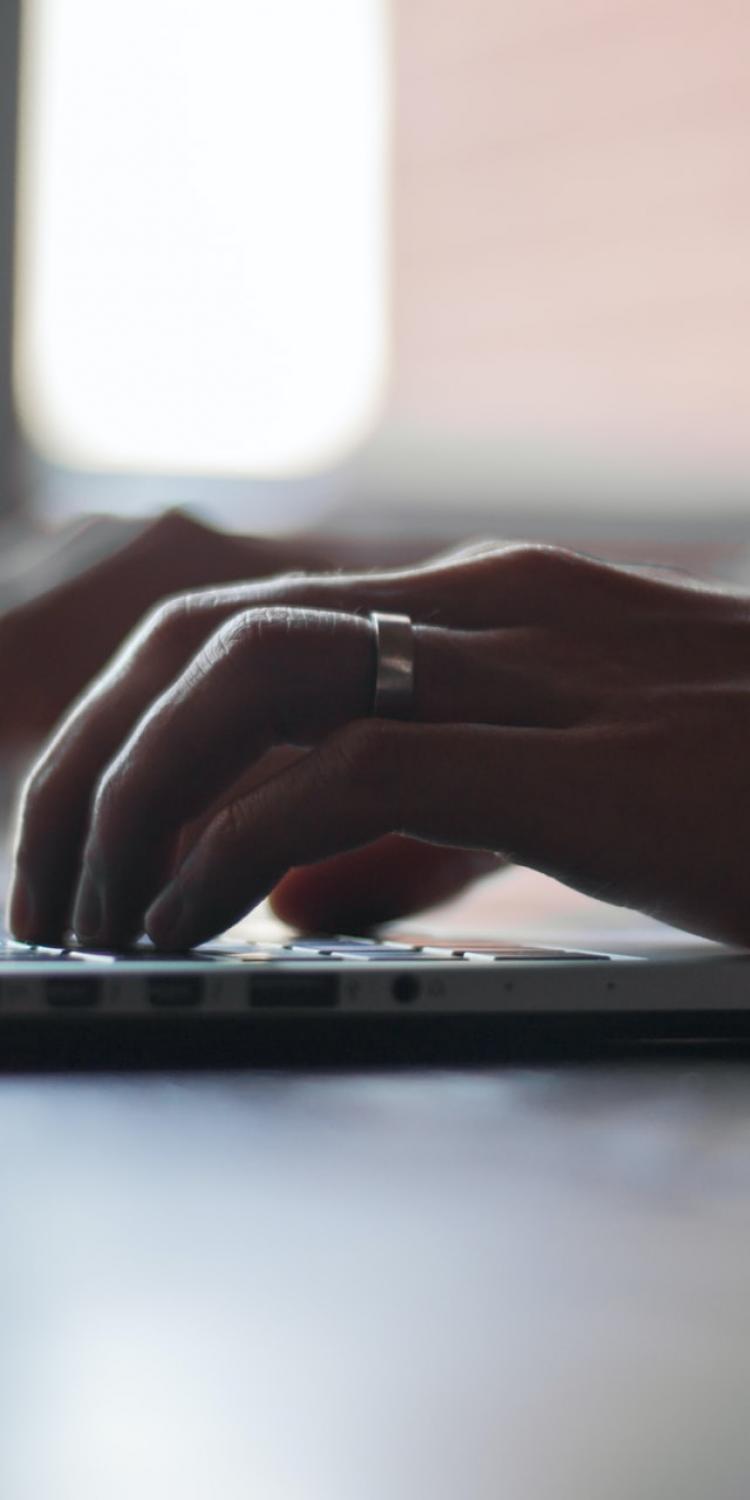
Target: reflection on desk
{"points": [[522, 1284]]}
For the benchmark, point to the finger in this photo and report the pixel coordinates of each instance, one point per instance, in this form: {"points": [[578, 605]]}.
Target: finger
{"points": [[393, 877], [95, 590], [501, 588], [268, 765], [268, 678], [54, 809], [477, 787]]}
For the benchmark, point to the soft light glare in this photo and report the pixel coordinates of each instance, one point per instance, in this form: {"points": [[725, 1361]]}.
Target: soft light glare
{"points": [[201, 255]]}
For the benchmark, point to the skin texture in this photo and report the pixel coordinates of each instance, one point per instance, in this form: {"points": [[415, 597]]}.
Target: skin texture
{"points": [[93, 610], [588, 720], [51, 647]]}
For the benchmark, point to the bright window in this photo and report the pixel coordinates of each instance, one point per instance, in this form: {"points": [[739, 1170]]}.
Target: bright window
{"points": [[201, 240]]}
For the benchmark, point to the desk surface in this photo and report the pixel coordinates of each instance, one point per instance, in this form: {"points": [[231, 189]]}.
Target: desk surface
{"points": [[527, 1284]]}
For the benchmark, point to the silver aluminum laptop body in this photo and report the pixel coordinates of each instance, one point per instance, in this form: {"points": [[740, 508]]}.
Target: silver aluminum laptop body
{"points": [[497, 996]]}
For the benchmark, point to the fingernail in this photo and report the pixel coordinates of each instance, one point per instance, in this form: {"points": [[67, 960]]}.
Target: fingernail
{"points": [[88, 914], [21, 909], [165, 919]]}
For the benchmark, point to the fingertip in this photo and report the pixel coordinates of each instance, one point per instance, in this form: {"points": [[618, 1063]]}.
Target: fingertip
{"points": [[166, 920]]}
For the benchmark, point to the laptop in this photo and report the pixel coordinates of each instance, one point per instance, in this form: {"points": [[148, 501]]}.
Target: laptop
{"points": [[333, 998]]}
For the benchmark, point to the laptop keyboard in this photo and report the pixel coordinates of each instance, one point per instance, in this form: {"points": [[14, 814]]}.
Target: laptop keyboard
{"points": [[306, 950]]}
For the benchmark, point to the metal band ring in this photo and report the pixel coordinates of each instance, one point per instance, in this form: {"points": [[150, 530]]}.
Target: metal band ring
{"points": [[393, 697]]}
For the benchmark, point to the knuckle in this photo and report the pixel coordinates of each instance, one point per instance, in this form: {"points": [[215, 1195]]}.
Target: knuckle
{"points": [[106, 804], [536, 566], [275, 645], [30, 811], [257, 637], [163, 626], [35, 784], [544, 568], [177, 627], [480, 548], [40, 789], [473, 550]]}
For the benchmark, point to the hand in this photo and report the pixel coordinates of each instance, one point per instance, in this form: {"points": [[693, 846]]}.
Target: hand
{"points": [[588, 720], [78, 608], [78, 612]]}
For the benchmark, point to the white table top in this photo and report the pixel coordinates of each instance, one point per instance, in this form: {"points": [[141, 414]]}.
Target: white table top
{"points": [[527, 1284]]}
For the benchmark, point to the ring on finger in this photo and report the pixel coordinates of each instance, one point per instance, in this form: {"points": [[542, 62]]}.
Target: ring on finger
{"points": [[393, 694]]}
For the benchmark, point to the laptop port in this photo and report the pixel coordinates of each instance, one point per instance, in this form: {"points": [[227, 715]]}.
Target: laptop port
{"points": [[405, 988], [72, 992], [175, 990], [303, 991]]}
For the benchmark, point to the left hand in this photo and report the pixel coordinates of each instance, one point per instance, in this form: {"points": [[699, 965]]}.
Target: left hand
{"points": [[75, 609], [588, 720]]}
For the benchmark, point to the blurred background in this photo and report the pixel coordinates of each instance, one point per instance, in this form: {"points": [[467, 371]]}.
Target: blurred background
{"points": [[434, 266]]}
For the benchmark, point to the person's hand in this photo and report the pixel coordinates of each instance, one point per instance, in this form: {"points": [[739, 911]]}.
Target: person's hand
{"points": [[79, 608], [81, 590], [587, 720]]}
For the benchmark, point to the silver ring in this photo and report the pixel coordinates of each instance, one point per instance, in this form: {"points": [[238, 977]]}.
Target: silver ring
{"points": [[393, 697]]}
